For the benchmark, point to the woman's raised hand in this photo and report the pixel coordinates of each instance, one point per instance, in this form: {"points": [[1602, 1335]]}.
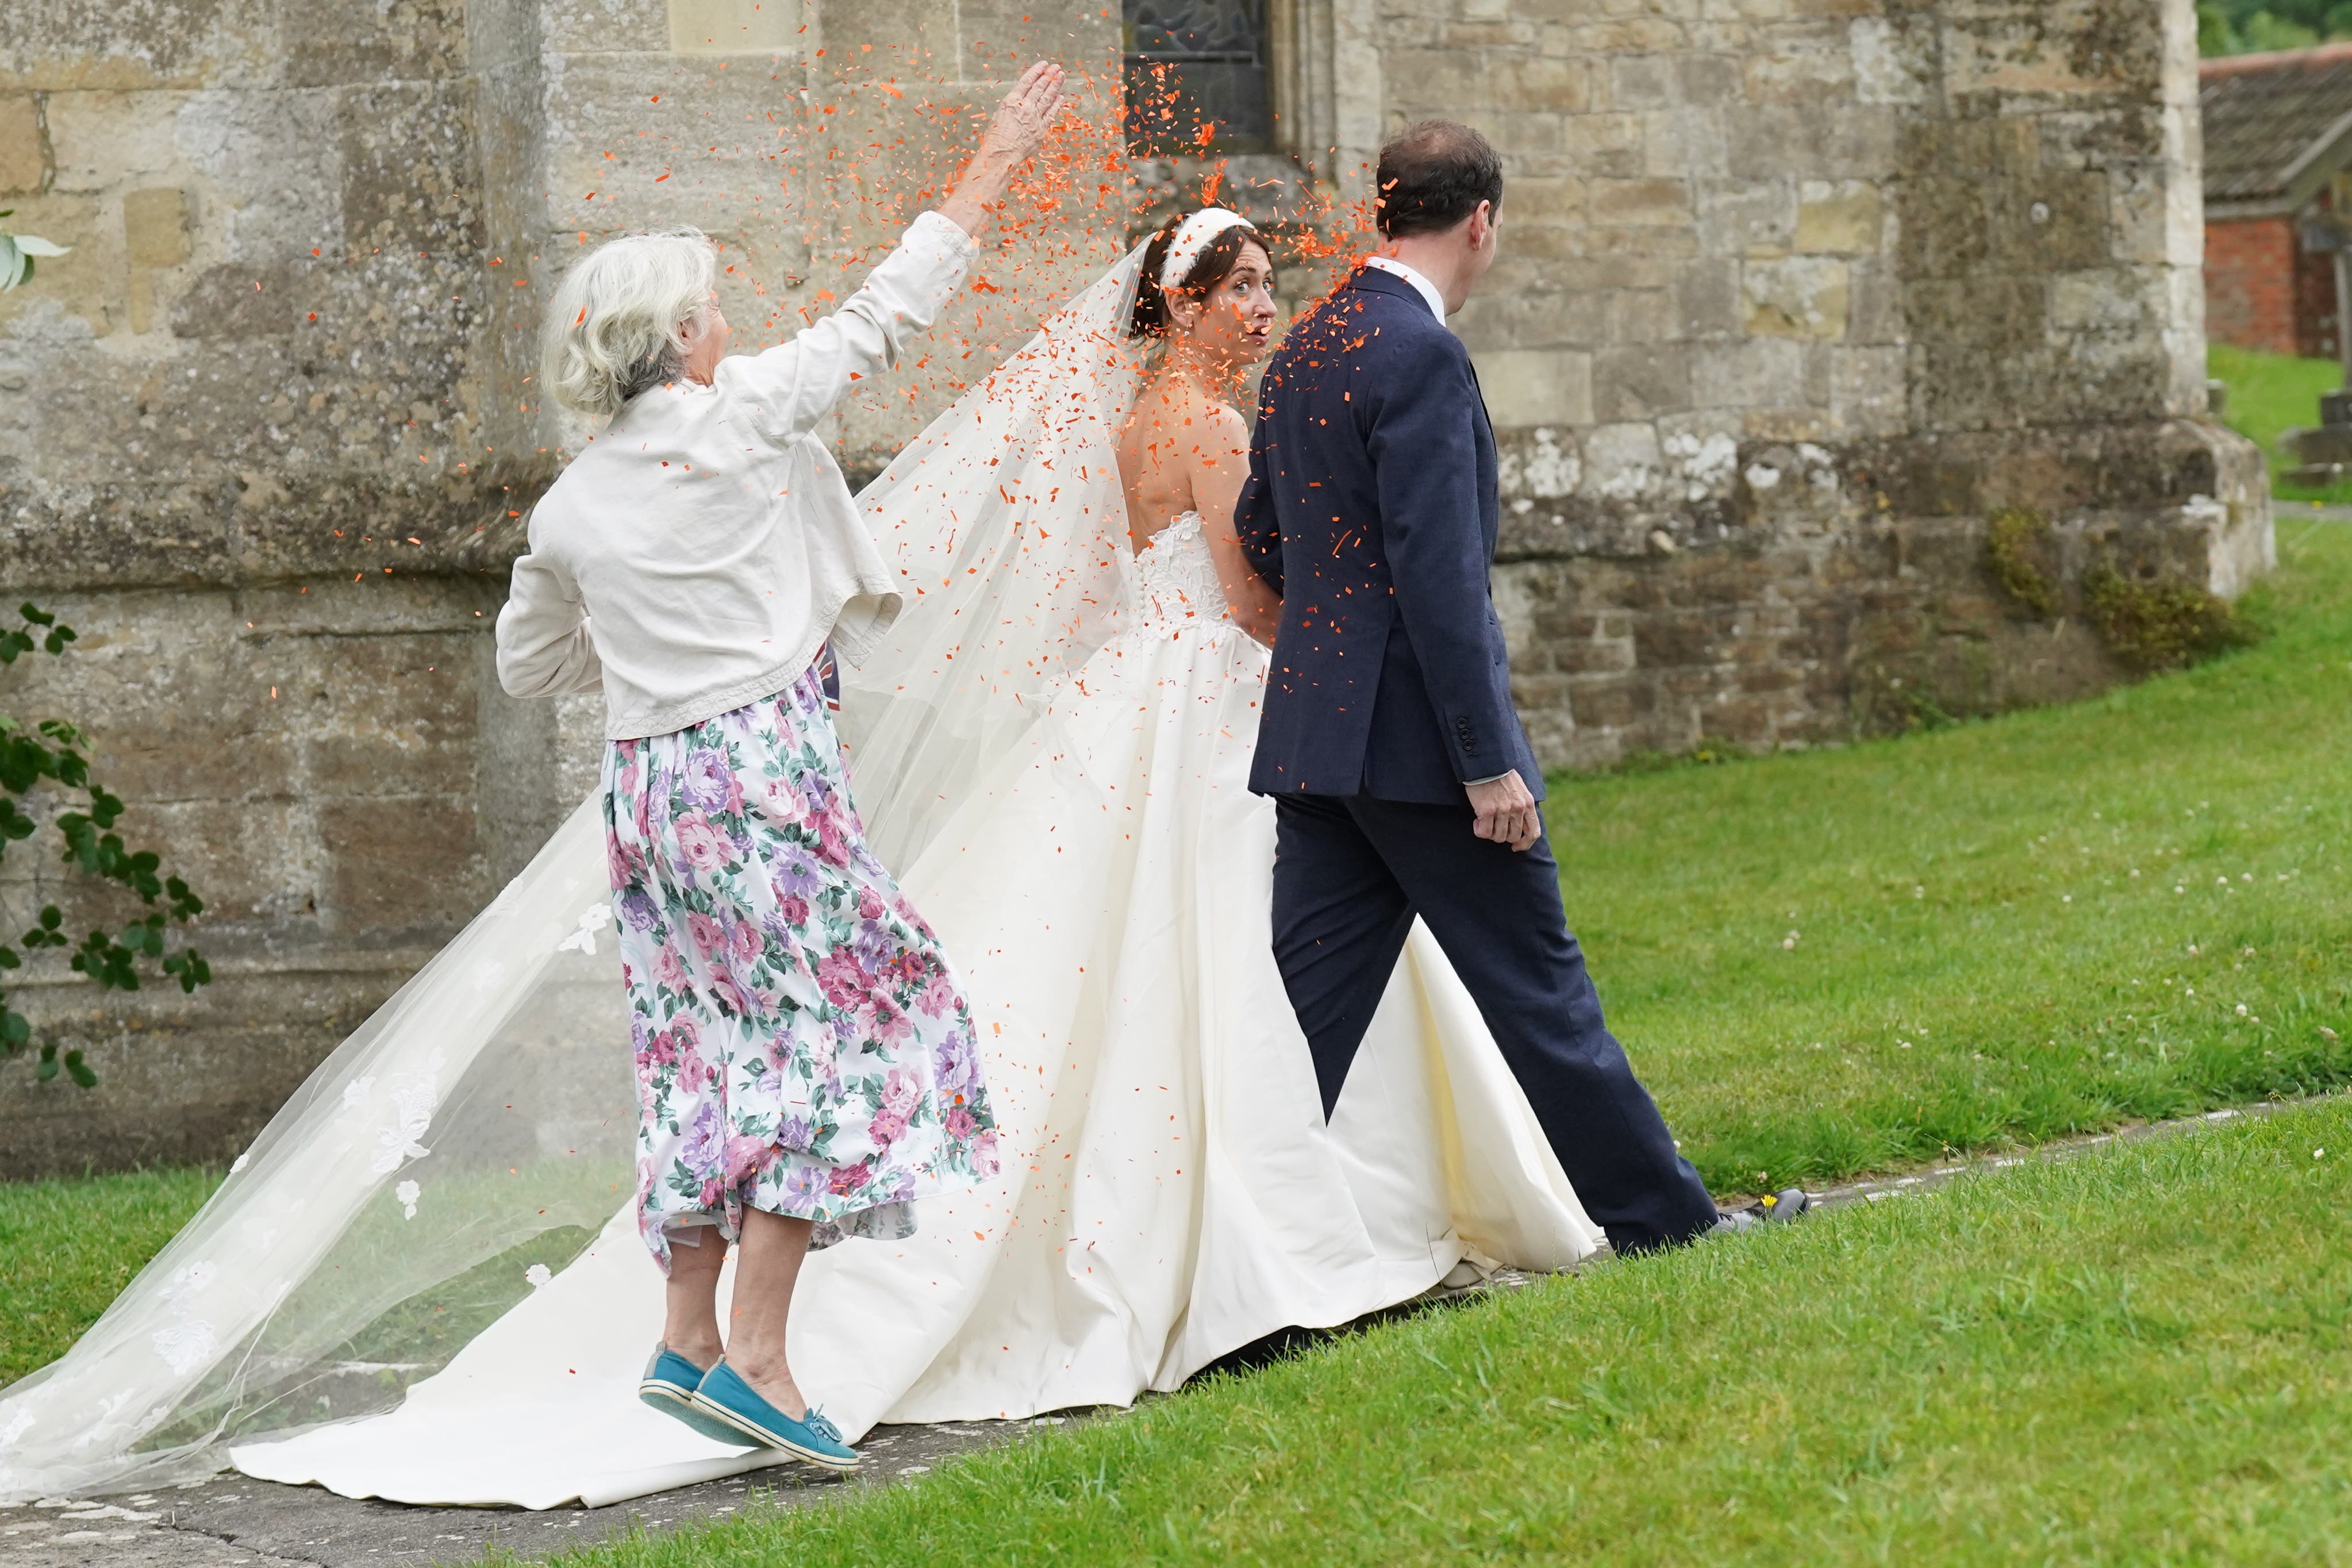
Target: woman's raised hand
{"points": [[1016, 132], [1025, 115]]}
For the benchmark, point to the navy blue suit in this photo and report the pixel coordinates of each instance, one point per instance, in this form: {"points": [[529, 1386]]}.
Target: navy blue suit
{"points": [[1372, 507]]}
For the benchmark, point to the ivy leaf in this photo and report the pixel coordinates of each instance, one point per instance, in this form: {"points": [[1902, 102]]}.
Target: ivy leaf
{"points": [[79, 1070]]}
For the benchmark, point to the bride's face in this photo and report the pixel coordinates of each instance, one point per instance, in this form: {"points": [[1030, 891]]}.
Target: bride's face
{"points": [[1234, 322]]}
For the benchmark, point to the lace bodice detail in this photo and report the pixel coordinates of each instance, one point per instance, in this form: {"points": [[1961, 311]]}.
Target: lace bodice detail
{"points": [[1176, 577]]}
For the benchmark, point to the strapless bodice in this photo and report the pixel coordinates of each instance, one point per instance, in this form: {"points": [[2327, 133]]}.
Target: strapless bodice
{"points": [[1176, 577]]}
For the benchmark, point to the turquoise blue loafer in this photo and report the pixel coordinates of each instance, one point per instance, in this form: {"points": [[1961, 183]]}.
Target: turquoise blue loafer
{"points": [[668, 1386], [725, 1396]]}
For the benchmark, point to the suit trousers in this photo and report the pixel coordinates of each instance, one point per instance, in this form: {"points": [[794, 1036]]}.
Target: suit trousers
{"points": [[1351, 872]]}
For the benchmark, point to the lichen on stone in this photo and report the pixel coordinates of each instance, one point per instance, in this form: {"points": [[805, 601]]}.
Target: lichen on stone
{"points": [[2163, 623], [2023, 550]]}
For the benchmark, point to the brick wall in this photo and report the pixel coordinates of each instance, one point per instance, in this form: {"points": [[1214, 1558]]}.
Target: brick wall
{"points": [[2251, 284]]}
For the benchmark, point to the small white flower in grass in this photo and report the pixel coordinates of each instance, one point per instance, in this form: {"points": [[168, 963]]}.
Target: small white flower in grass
{"points": [[2246, 876], [538, 1274], [2192, 947], [2327, 1032], [2135, 870], [1788, 940], [407, 1192], [2178, 888], [2065, 897], [1905, 1044], [2220, 882], [2242, 1009], [2319, 1154]]}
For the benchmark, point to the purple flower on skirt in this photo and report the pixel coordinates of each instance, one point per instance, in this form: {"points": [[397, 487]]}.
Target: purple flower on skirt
{"points": [[953, 1062], [873, 945], [795, 877], [706, 1138], [794, 1134], [709, 782], [638, 908], [640, 1036], [803, 1183]]}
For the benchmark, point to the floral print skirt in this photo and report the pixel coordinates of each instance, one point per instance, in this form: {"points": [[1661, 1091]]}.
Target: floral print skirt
{"points": [[803, 1045]]}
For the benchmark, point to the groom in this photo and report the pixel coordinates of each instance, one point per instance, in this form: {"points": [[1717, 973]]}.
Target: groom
{"points": [[1403, 782]]}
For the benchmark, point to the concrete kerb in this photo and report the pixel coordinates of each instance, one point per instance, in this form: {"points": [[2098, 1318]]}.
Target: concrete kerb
{"points": [[231, 1520]]}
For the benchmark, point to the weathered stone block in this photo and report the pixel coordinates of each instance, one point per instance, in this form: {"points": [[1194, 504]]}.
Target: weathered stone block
{"points": [[735, 26], [1797, 297], [1538, 386], [156, 228], [24, 144], [1838, 217]]}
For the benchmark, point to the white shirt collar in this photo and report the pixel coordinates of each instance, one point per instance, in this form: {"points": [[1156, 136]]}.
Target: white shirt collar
{"points": [[1427, 290]]}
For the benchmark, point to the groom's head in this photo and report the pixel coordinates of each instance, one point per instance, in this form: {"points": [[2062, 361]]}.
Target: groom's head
{"points": [[1440, 196]]}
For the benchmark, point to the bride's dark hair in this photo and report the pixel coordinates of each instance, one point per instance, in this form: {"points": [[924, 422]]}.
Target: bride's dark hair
{"points": [[1211, 266]]}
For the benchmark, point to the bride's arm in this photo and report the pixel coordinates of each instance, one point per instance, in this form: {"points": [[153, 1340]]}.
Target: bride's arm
{"points": [[1220, 468]]}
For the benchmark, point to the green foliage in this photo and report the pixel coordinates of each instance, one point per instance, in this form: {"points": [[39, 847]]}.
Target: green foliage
{"points": [[52, 752], [2254, 26], [2162, 624], [16, 254], [2023, 550]]}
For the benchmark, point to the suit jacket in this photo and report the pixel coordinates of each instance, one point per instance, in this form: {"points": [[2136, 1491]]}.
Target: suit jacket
{"points": [[1371, 505]]}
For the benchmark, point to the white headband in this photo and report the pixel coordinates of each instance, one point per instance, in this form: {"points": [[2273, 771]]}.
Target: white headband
{"points": [[1193, 238]]}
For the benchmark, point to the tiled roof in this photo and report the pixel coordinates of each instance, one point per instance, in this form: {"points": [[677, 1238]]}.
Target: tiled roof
{"points": [[2267, 117]]}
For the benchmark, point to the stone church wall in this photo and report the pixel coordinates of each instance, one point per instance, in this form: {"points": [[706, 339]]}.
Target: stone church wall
{"points": [[1795, 294]]}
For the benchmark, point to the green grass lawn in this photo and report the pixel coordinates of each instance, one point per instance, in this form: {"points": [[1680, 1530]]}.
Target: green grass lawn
{"points": [[2129, 908], [2143, 1355], [67, 1247], [2271, 394]]}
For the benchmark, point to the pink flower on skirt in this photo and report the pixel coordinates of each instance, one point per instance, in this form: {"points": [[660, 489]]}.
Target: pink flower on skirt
{"points": [[781, 801], [795, 909], [939, 998], [710, 936], [843, 981], [704, 848], [693, 1072], [747, 1157], [622, 862], [731, 996], [960, 1123], [833, 840], [890, 1025], [749, 944], [687, 1034], [849, 1178], [669, 970]]}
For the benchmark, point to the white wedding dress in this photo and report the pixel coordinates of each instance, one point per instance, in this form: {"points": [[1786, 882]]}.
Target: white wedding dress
{"points": [[1169, 1193]]}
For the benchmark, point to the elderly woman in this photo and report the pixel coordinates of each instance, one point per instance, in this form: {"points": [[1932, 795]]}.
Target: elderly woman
{"points": [[806, 1068]]}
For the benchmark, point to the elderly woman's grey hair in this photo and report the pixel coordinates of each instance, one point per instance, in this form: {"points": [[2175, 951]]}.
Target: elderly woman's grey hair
{"points": [[612, 330]]}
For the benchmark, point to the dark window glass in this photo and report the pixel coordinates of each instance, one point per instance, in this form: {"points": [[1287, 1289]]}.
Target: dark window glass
{"points": [[1194, 63]]}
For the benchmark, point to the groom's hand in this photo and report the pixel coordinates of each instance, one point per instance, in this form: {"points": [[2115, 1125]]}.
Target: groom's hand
{"points": [[1506, 811]]}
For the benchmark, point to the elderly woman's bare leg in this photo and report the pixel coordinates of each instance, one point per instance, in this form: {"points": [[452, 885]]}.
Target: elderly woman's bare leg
{"points": [[766, 1267], [690, 1323]]}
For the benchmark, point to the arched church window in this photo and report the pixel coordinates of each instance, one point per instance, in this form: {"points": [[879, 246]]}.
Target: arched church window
{"points": [[1192, 64]]}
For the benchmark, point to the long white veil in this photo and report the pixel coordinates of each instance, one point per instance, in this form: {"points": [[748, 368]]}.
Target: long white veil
{"points": [[474, 1136], [1007, 525]]}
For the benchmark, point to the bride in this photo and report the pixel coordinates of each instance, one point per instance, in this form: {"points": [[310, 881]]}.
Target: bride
{"points": [[425, 1282]]}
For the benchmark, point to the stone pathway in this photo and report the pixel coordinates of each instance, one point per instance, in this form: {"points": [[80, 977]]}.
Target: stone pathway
{"points": [[232, 1520]]}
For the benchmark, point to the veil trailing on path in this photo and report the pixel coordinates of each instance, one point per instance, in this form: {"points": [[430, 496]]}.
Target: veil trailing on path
{"points": [[473, 1138]]}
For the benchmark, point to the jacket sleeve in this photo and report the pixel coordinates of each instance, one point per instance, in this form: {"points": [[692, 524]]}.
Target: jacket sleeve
{"points": [[794, 384], [1423, 445], [1255, 524], [544, 647]]}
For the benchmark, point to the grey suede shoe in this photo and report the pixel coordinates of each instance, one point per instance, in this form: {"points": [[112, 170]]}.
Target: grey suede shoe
{"points": [[1779, 1208]]}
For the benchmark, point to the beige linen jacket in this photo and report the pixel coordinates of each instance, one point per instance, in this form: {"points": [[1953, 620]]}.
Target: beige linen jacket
{"points": [[704, 546]]}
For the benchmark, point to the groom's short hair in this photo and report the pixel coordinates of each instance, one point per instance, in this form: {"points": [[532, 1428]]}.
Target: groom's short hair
{"points": [[1435, 176]]}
